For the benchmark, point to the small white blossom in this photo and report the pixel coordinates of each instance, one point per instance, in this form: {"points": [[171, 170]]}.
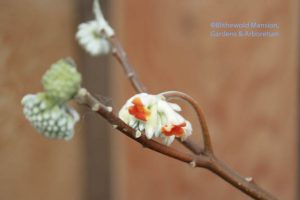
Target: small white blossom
{"points": [[92, 35], [51, 120], [156, 117]]}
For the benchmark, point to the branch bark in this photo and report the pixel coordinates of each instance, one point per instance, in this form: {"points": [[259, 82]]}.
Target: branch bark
{"points": [[121, 56], [244, 184], [203, 160]]}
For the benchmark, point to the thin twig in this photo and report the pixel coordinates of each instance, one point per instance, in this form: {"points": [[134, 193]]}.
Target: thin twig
{"points": [[121, 56], [244, 184], [192, 146], [208, 161]]}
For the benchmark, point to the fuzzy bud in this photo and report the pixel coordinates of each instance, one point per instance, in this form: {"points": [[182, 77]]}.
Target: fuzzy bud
{"points": [[62, 81], [50, 119]]}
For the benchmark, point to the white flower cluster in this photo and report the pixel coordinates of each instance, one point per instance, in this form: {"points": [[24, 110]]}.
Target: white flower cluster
{"points": [[51, 120], [92, 35], [156, 117]]}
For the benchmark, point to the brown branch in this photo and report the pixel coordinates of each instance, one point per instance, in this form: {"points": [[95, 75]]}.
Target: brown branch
{"points": [[244, 184], [121, 56], [207, 160], [192, 146], [205, 133]]}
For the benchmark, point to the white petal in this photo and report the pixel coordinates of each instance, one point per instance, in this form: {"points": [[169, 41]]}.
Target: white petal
{"points": [[187, 131], [141, 126], [149, 131], [175, 106], [132, 122], [168, 140], [159, 126], [124, 115], [154, 121]]}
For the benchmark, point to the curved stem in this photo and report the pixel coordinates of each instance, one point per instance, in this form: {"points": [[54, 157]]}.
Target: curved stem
{"points": [[205, 132]]}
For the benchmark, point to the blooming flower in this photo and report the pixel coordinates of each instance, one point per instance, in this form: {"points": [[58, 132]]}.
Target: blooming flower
{"points": [[92, 35], [51, 120], [156, 117]]}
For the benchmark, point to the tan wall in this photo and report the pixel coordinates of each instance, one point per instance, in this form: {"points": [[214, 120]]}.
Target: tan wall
{"points": [[34, 34], [247, 87]]}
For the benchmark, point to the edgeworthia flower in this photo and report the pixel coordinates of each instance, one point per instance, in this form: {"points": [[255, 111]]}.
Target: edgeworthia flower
{"points": [[48, 111], [92, 35], [155, 117]]}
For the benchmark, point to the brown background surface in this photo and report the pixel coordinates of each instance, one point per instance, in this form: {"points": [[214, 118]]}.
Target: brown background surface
{"points": [[33, 35], [246, 86]]}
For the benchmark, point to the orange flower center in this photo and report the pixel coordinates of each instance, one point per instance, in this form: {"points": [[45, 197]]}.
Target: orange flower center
{"points": [[138, 110], [176, 130]]}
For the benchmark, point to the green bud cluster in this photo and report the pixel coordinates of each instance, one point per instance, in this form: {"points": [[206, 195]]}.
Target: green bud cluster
{"points": [[48, 111], [51, 120], [62, 81]]}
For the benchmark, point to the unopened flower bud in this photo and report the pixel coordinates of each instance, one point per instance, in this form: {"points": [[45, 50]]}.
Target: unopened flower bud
{"points": [[93, 35], [50, 119], [62, 81]]}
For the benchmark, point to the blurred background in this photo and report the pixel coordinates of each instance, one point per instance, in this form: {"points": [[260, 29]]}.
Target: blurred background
{"points": [[248, 88]]}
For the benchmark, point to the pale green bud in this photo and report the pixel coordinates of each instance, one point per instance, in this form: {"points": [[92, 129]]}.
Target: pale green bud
{"points": [[54, 121], [62, 81]]}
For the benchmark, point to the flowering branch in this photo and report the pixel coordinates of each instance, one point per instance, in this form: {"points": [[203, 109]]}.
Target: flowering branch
{"points": [[143, 117], [85, 98], [204, 156], [206, 160]]}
